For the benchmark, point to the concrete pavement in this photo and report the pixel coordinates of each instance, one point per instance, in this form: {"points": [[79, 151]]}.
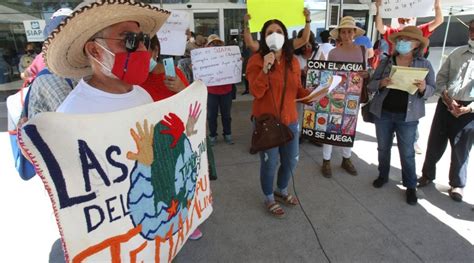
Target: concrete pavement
{"points": [[354, 221]]}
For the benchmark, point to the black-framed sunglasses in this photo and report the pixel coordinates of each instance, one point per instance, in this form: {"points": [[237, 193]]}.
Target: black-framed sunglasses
{"points": [[132, 40]]}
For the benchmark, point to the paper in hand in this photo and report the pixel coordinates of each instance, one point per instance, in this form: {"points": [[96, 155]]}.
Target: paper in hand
{"points": [[323, 89], [403, 78]]}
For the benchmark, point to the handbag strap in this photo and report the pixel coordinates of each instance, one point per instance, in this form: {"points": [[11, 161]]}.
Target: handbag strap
{"points": [[284, 89]]}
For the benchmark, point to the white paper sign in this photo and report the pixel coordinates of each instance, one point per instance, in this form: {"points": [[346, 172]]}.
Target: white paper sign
{"points": [[172, 34], [406, 8], [34, 30], [217, 65]]}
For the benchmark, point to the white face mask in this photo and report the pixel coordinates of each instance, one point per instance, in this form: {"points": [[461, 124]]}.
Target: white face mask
{"points": [[275, 41], [470, 42], [108, 62]]}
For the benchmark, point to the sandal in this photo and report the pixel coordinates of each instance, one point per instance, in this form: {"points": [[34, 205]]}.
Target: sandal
{"points": [[276, 210], [288, 199]]}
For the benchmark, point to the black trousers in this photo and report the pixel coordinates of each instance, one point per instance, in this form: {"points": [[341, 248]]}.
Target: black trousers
{"points": [[460, 133]]}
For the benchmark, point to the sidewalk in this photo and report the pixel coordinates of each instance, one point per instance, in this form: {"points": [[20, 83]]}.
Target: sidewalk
{"points": [[354, 221]]}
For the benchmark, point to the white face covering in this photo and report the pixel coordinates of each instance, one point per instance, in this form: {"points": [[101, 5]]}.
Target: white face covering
{"points": [[108, 61], [470, 42], [275, 41]]}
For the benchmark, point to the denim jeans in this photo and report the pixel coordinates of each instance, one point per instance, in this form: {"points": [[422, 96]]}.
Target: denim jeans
{"points": [[289, 154], [216, 103], [385, 126]]}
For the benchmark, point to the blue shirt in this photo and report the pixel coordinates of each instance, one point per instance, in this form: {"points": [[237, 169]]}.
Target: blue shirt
{"points": [[363, 41]]}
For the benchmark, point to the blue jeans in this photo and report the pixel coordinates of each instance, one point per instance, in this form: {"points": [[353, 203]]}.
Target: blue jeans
{"points": [[289, 154], [214, 104], [385, 126]]}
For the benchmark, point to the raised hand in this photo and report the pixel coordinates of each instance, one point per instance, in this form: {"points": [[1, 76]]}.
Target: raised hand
{"points": [[175, 125], [144, 142], [193, 117]]}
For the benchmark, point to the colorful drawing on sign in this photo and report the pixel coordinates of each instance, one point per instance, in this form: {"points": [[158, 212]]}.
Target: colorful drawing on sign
{"points": [[135, 207], [308, 119], [335, 113]]}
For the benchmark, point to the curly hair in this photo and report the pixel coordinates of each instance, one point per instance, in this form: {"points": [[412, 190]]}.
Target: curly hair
{"points": [[287, 46]]}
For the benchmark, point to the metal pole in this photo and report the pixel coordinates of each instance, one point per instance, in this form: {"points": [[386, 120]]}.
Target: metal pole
{"points": [[445, 37], [161, 3]]}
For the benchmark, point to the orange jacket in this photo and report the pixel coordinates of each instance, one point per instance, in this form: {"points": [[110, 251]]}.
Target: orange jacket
{"points": [[260, 88]]}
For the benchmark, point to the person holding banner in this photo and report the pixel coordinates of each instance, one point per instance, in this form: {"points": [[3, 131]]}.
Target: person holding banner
{"points": [[346, 51], [397, 111], [271, 72], [298, 42]]}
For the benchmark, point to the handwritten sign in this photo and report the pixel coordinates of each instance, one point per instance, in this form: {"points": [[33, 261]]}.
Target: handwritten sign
{"points": [[217, 65], [290, 12], [132, 190], [406, 8], [34, 30], [333, 119], [172, 34]]}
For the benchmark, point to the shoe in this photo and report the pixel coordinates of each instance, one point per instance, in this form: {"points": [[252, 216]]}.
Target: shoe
{"points": [[196, 235], [326, 169], [411, 196], [275, 209], [424, 181], [417, 148], [348, 166], [379, 182], [456, 193], [213, 140], [228, 139]]}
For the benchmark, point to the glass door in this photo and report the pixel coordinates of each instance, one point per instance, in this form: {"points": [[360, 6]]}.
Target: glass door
{"points": [[206, 22]]}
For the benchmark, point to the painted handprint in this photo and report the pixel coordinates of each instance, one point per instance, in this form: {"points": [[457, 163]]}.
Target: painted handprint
{"points": [[144, 142], [175, 127], [194, 113]]}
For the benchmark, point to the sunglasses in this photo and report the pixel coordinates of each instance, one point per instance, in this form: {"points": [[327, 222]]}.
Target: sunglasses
{"points": [[132, 40]]}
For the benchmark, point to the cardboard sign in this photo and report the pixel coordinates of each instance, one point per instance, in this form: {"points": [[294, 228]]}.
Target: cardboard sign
{"points": [[34, 30], [127, 186], [217, 65], [333, 119], [172, 34], [406, 8], [290, 12]]}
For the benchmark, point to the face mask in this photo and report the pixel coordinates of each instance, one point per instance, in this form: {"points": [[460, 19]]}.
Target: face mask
{"points": [[130, 67], [308, 51], [153, 64], [275, 41], [470, 42], [403, 47], [31, 52]]}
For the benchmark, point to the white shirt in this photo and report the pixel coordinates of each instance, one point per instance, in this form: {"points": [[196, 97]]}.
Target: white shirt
{"points": [[303, 60], [85, 99], [324, 49]]}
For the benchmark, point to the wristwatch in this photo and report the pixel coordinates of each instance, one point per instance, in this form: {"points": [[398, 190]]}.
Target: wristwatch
{"points": [[308, 21]]}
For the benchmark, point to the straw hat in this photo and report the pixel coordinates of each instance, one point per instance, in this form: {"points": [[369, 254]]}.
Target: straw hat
{"points": [[212, 38], [411, 32], [64, 48], [346, 22]]}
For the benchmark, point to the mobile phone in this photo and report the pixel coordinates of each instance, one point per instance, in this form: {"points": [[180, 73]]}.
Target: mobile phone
{"points": [[169, 67]]}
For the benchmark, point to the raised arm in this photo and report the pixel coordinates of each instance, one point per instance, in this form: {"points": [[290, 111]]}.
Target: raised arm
{"points": [[301, 41], [378, 19], [250, 43], [438, 20]]}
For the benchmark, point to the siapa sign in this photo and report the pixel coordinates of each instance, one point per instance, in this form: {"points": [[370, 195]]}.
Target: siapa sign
{"points": [[34, 30]]}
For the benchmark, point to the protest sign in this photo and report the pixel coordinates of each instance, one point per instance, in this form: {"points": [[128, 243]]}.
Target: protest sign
{"points": [[290, 12], [333, 119], [406, 8], [172, 34], [34, 30], [127, 186], [217, 65]]}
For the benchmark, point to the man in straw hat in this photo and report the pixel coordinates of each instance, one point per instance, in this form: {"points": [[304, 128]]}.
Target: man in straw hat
{"points": [[453, 119], [104, 43], [346, 51]]}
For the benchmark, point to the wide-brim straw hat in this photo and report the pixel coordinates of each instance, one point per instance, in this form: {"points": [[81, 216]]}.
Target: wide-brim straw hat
{"points": [[214, 38], [411, 32], [64, 49], [347, 22]]}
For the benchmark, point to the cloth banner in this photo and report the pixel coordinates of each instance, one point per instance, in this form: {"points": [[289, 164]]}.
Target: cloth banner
{"points": [[127, 186], [217, 65], [406, 8], [290, 12], [333, 119], [172, 34]]}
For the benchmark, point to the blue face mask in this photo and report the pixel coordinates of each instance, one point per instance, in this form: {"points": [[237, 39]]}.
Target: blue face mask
{"points": [[403, 47], [153, 64]]}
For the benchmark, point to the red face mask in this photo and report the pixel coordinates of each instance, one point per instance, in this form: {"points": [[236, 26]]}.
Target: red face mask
{"points": [[132, 68]]}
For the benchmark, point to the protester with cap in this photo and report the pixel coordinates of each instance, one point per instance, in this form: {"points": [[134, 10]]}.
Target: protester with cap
{"points": [[397, 111], [453, 119], [346, 51], [219, 98]]}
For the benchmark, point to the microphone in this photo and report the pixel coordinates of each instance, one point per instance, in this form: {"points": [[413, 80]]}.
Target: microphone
{"points": [[270, 65]]}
